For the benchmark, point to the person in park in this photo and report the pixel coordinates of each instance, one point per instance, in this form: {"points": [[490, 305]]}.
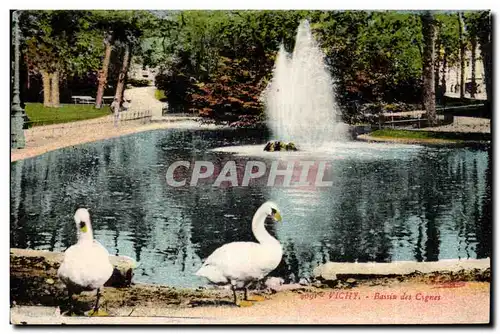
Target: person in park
{"points": [[115, 109]]}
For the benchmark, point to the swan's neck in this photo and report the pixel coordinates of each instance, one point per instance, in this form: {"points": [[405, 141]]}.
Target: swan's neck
{"points": [[259, 230]]}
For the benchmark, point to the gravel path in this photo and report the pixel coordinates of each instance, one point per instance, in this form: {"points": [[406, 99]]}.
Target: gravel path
{"points": [[464, 124], [143, 98], [467, 302]]}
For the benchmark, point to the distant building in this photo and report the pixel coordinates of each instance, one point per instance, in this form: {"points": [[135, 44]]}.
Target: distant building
{"points": [[141, 72], [452, 77]]}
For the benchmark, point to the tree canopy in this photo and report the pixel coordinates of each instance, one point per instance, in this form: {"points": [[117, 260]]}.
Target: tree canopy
{"points": [[221, 60]]}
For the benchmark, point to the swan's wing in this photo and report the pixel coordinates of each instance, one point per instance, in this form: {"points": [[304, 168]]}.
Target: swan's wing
{"points": [[241, 261], [65, 269], [232, 253], [99, 249], [103, 269]]}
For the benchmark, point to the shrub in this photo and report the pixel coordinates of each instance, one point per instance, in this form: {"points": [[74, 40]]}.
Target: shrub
{"points": [[139, 82]]}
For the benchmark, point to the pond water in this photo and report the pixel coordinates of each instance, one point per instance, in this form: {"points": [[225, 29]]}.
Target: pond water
{"points": [[386, 203]]}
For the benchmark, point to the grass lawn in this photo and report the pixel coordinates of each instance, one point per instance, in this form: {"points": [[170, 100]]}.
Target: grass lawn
{"points": [[430, 135], [40, 115], [404, 134], [160, 95]]}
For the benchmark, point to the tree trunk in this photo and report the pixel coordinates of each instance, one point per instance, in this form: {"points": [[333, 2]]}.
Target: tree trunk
{"points": [[131, 52], [120, 86], [429, 37], [487, 63], [54, 90], [437, 63], [47, 96], [462, 54], [103, 73], [28, 74], [443, 78], [473, 42]]}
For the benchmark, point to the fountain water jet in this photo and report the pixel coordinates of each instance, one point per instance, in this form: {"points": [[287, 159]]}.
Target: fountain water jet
{"points": [[299, 101]]}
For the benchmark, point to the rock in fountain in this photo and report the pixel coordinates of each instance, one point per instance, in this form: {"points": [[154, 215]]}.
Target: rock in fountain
{"points": [[276, 145], [299, 100]]}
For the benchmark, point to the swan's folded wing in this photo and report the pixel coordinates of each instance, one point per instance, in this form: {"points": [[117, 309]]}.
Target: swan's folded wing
{"points": [[238, 261]]}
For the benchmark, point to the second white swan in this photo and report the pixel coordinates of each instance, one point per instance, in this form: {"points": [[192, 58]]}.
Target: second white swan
{"points": [[241, 263]]}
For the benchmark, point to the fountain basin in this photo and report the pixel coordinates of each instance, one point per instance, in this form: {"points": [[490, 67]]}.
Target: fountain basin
{"points": [[169, 230]]}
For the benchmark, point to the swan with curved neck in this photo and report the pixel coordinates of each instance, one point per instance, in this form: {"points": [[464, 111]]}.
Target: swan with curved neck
{"points": [[259, 218], [86, 265], [241, 263]]}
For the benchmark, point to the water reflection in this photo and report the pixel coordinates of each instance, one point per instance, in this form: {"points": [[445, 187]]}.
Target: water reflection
{"points": [[431, 205], [426, 209]]}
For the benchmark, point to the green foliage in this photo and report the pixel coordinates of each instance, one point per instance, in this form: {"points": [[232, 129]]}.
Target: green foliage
{"points": [[404, 134], [40, 115], [160, 95], [430, 137], [61, 41], [194, 41], [124, 26], [138, 82], [71, 41], [448, 37], [373, 54], [219, 61]]}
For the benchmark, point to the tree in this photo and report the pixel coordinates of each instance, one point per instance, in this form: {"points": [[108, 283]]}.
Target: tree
{"points": [[461, 28], [429, 42], [131, 36], [482, 21], [448, 55], [374, 56], [58, 44], [42, 45], [472, 35], [478, 25], [109, 24], [437, 62], [217, 57], [473, 47], [121, 29], [103, 73], [120, 86]]}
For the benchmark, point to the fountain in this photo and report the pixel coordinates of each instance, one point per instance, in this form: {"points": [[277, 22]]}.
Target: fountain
{"points": [[302, 113], [299, 100]]}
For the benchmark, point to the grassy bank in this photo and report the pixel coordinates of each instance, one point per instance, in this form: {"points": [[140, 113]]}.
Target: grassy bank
{"points": [[430, 135], [40, 115]]}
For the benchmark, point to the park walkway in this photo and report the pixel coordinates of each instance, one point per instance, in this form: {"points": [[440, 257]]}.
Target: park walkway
{"points": [[143, 98]]}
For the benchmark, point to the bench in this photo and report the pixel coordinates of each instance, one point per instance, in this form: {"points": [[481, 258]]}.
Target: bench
{"points": [[83, 99], [420, 122]]}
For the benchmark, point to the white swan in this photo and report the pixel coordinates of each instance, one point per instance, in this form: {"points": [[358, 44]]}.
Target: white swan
{"points": [[240, 263], [86, 265]]}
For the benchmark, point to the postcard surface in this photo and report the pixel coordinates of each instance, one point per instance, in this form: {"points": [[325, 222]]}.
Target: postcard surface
{"points": [[250, 167]]}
